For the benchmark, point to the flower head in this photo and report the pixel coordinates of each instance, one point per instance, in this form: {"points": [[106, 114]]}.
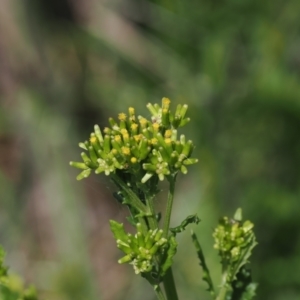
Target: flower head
{"points": [[152, 145]]}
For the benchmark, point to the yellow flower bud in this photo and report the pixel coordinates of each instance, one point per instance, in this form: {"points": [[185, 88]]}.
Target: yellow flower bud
{"points": [[126, 150], [122, 117]]}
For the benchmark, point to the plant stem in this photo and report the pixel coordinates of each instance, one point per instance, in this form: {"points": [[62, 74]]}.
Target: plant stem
{"points": [[169, 285], [168, 279], [144, 224], [159, 293], [151, 220], [223, 290], [172, 180], [134, 200], [222, 293]]}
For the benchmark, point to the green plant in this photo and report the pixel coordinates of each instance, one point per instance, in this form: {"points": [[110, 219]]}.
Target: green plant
{"points": [[11, 286], [137, 153]]}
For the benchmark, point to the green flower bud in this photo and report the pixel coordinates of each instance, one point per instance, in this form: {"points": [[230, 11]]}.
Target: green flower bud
{"points": [[85, 157], [84, 174], [183, 169], [106, 144], [183, 111], [98, 133], [79, 165], [113, 123], [190, 161], [154, 248], [187, 148], [149, 167], [93, 155], [152, 109], [83, 146], [165, 118], [178, 110], [184, 122], [94, 142], [146, 177], [125, 259]]}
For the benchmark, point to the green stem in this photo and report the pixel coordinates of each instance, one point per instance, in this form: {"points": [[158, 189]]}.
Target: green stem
{"points": [[158, 292], [144, 225], [169, 285], [168, 279], [134, 200], [222, 293], [224, 287], [172, 180], [151, 220]]}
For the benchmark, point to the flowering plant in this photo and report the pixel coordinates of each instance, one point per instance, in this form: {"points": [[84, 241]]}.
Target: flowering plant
{"points": [[137, 153]]}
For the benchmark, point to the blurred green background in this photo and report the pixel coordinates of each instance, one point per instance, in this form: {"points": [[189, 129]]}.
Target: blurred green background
{"points": [[66, 65]]}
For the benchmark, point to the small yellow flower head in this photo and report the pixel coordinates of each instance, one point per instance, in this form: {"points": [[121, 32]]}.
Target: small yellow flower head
{"points": [[134, 126], [154, 141], [165, 103], [122, 117], [137, 137], [168, 133], [168, 141], [126, 136], [126, 150], [93, 139], [124, 131], [106, 130], [114, 151], [131, 110], [143, 121], [118, 138], [155, 126], [133, 160]]}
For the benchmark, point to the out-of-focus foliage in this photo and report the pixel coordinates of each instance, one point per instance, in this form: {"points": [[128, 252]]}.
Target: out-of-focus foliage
{"points": [[11, 286], [67, 65]]}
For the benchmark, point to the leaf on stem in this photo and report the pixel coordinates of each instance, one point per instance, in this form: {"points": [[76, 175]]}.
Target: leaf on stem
{"points": [[206, 275], [168, 261], [243, 288], [188, 220]]}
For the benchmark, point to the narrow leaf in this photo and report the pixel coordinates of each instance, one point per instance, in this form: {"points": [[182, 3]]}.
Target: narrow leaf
{"points": [[188, 220], [206, 275]]}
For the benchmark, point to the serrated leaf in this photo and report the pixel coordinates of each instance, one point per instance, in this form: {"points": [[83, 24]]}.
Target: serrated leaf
{"points": [[250, 291], [132, 220], [244, 256], [243, 288], [206, 275], [118, 230], [188, 220]]}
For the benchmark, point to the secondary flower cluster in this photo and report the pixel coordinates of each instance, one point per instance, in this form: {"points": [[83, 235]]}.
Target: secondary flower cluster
{"points": [[140, 249], [139, 146], [231, 237]]}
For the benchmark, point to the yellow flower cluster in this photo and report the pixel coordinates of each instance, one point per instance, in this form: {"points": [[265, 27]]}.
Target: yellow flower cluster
{"points": [[138, 146]]}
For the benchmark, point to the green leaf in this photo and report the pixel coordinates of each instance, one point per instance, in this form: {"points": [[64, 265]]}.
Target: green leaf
{"points": [[245, 254], [206, 275], [169, 256], [243, 288], [238, 216], [188, 220], [118, 230]]}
